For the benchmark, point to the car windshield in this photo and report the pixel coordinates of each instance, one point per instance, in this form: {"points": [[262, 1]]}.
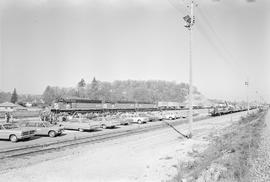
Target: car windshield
{"points": [[10, 126]]}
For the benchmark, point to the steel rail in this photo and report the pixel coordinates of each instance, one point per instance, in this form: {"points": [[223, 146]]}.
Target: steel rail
{"points": [[21, 151], [50, 146]]}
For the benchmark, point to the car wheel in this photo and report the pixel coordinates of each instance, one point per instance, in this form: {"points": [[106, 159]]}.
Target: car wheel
{"points": [[103, 126], [81, 130], [13, 138], [52, 134]]}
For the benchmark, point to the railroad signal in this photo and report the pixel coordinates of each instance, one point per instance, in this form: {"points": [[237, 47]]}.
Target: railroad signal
{"points": [[187, 19], [189, 22]]}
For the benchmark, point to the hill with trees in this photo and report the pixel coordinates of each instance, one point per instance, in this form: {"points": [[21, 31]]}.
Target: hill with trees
{"points": [[126, 90]]}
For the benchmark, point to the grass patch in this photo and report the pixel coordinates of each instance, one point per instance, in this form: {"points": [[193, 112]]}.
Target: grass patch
{"points": [[228, 155]]}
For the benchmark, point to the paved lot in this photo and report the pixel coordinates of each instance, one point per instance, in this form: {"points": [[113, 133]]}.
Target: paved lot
{"points": [[72, 134]]}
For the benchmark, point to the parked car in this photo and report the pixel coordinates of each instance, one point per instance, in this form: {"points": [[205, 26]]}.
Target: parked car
{"points": [[138, 119], [124, 120], [169, 116], [186, 114], [158, 116], [44, 128], [14, 133], [107, 122], [150, 116], [80, 124], [177, 115]]}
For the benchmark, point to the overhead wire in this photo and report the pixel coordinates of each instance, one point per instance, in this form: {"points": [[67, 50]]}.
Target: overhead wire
{"points": [[213, 31], [180, 9], [219, 45], [201, 29], [222, 52]]}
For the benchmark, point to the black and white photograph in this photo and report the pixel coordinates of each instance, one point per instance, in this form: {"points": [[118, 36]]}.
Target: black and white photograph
{"points": [[134, 90]]}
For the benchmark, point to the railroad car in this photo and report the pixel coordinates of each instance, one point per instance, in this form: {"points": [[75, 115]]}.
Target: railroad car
{"points": [[78, 104], [145, 105], [124, 105], [168, 105]]}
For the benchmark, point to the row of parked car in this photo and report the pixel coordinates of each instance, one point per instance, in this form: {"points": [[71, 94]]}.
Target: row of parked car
{"points": [[26, 130], [84, 122], [80, 122]]}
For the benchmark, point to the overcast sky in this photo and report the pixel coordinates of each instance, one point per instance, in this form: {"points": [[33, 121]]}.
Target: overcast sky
{"points": [[58, 42]]}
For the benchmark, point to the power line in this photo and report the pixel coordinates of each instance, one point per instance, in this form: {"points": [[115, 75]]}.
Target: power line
{"points": [[228, 55], [214, 32], [180, 8]]}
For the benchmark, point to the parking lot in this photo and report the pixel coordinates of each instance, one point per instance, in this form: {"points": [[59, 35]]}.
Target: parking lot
{"points": [[73, 134], [147, 156]]}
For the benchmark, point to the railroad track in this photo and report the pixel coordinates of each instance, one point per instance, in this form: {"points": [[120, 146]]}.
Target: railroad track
{"points": [[39, 148], [53, 146]]}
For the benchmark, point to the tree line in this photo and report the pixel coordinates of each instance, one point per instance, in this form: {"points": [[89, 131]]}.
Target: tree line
{"points": [[126, 90], [9, 97], [20, 99]]}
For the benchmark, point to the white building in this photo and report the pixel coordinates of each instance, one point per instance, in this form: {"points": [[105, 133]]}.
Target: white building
{"points": [[8, 107]]}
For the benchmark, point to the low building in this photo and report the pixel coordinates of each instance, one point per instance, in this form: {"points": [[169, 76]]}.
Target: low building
{"points": [[8, 107]]}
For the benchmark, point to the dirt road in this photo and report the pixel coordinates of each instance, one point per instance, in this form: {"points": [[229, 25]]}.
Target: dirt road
{"points": [[149, 156]]}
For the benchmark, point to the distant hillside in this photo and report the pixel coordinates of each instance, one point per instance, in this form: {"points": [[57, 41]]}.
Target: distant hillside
{"points": [[126, 90]]}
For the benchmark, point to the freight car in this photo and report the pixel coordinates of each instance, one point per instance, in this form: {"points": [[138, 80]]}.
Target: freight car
{"points": [[77, 104], [218, 111]]}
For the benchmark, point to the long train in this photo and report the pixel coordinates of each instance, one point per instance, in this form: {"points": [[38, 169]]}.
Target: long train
{"points": [[81, 104]]}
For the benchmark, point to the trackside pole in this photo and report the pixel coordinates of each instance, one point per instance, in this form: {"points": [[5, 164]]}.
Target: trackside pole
{"points": [[189, 22], [190, 118], [247, 84]]}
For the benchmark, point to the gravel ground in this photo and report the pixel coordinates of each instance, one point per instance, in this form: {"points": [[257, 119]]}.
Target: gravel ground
{"points": [[151, 156], [260, 170]]}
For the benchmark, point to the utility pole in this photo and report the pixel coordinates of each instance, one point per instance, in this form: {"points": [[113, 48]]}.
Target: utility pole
{"points": [[247, 84], [257, 100], [189, 22]]}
